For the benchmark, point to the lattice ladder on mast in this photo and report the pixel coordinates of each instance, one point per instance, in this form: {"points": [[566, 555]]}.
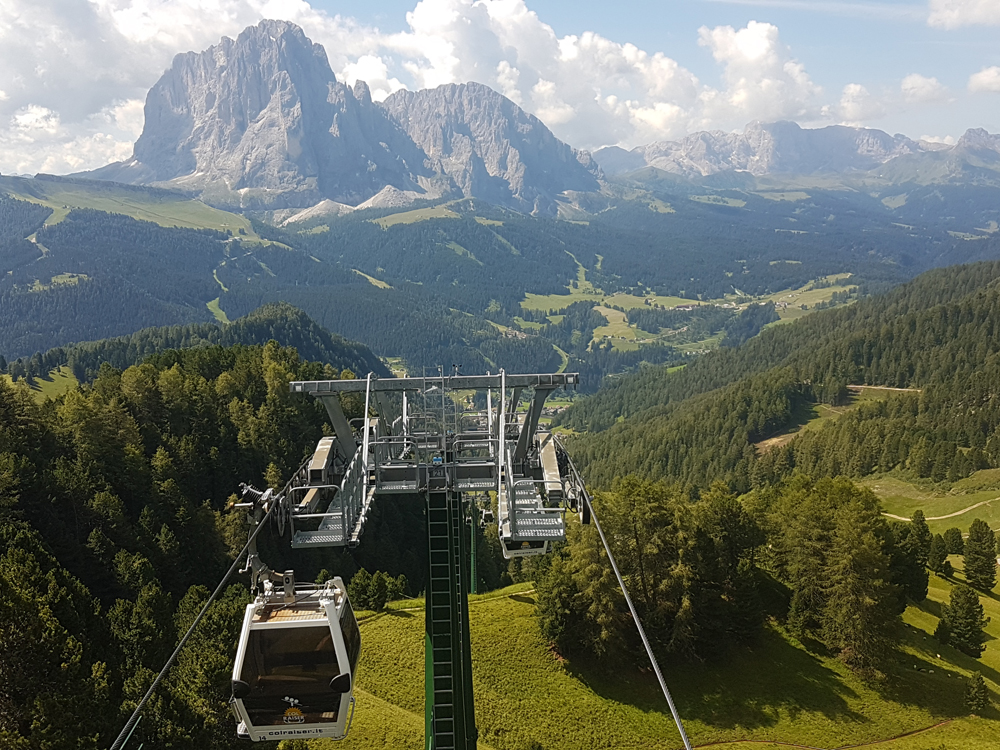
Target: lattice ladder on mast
{"points": [[449, 714]]}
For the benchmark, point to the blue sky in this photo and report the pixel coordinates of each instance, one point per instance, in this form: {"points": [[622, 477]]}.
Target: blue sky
{"points": [[876, 44], [74, 73]]}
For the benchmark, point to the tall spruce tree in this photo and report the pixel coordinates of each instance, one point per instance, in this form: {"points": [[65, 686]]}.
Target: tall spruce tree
{"points": [[921, 536], [954, 542], [964, 620], [861, 618], [908, 561], [938, 555], [981, 556]]}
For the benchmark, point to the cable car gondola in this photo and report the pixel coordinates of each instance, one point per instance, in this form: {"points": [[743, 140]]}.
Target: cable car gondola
{"points": [[295, 663]]}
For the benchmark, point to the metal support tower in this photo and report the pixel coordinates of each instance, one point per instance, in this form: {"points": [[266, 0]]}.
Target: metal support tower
{"points": [[420, 438]]}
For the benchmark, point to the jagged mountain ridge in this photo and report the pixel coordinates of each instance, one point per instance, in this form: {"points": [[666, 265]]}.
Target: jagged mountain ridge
{"points": [[785, 148], [489, 146], [261, 121]]}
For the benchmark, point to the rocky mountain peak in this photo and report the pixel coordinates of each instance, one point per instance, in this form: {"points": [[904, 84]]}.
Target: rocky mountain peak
{"points": [[361, 92], [261, 121], [490, 147], [979, 139]]}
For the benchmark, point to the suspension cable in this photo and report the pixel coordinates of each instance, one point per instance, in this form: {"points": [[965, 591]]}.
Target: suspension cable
{"points": [[126, 732], [631, 607]]}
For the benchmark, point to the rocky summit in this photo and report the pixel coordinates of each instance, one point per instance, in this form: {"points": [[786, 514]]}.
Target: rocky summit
{"points": [[262, 122]]}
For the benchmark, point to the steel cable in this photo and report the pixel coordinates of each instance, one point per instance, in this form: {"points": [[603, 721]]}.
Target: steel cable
{"points": [[134, 718], [631, 607]]}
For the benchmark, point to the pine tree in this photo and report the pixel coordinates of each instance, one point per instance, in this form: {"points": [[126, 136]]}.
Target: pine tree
{"points": [[359, 590], [977, 695], [861, 617], [964, 621], [954, 542], [980, 556], [378, 591], [921, 537], [938, 554]]}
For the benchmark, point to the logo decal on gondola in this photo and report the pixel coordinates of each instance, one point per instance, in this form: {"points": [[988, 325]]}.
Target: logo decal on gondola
{"points": [[293, 715]]}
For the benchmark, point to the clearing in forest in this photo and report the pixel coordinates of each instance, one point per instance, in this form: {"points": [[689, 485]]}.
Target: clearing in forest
{"points": [[977, 496], [56, 383], [813, 416], [412, 217]]}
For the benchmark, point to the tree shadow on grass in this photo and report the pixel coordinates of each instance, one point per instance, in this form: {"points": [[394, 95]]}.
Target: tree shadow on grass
{"points": [[921, 680], [749, 688], [400, 613], [930, 606]]}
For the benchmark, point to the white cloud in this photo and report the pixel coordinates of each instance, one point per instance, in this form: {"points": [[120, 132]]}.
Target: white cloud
{"points": [[918, 89], [373, 71], [73, 74], [37, 140], [945, 140], [951, 14], [986, 80], [763, 82], [856, 106]]}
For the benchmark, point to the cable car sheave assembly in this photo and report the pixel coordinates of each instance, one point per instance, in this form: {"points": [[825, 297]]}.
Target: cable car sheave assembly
{"points": [[424, 437], [418, 439]]}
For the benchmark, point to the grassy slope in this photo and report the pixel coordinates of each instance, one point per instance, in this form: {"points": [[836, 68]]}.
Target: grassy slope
{"points": [[420, 214], [618, 326], [814, 416], [778, 692], [56, 383], [902, 497], [164, 209]]}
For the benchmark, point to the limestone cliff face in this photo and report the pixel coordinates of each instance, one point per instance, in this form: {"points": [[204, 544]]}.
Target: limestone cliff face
{"points": [[261, 121], [489, 147]]}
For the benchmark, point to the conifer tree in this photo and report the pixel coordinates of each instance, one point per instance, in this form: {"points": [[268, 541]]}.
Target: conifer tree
{"points": [[980, 556], [861, 617], [977, 695], [938, 554], [954, 542], [921, 537], [964, 620], [358, 590]]}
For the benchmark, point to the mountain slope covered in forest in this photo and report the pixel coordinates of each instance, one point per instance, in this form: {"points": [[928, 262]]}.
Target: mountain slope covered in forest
{"points": [[277, 321], [936, 335]]}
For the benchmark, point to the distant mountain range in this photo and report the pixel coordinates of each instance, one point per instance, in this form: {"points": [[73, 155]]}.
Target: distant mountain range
{"points": [[262, 122], [784, 148]]}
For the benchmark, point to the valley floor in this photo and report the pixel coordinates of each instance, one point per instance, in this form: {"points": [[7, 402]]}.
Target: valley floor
{"points": [[777, 694]]}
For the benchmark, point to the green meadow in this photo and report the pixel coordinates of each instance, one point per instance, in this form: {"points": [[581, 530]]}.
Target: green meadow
{"points": [[778, 693], [162, 207], [56, 383]]}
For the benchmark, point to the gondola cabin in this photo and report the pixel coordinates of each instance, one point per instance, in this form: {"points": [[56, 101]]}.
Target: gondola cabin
{"points": [[295, 664]]}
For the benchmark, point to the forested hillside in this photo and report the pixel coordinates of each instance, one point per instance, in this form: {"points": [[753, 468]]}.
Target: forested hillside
{"points": [[936, 335], [440, 284], [113, 523], [277, 321]]}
